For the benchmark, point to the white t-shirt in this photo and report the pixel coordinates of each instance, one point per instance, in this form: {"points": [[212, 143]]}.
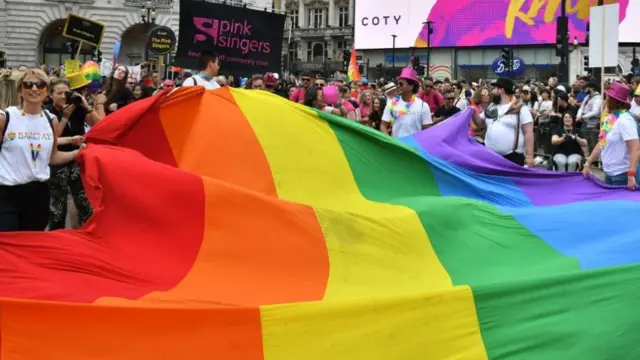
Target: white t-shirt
{"points": [[544, 110], [635, 108], [615, 154], [26, 148], [501, 132], [404, 125], [198, 80], [462, 104]]}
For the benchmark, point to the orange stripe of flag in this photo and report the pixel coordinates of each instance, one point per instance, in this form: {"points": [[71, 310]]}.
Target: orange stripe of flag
{"points": [[39, 330], [253, 242]]}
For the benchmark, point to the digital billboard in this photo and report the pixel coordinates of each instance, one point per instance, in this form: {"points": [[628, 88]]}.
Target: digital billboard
{"points": [[459, 23]]}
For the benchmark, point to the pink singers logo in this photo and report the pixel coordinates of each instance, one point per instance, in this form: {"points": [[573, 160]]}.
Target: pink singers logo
{"points": [[229, 34]]}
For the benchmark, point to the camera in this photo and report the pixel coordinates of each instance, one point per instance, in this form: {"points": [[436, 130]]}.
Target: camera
{"points": [[73, 98]]}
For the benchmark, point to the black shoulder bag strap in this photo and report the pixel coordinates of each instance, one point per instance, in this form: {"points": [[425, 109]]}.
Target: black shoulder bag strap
{"points": [[49, 119], [6, 126], [517, 135], [516, 112]]}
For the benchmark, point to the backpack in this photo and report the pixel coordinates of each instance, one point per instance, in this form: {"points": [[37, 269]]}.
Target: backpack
{"points": [[6, 124]]}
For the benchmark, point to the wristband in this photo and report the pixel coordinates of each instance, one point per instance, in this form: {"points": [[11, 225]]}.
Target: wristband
{"points": [[631, 173]]}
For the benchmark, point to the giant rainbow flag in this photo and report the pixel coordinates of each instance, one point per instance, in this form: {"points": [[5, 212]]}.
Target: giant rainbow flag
{"points": [[232, 224]]}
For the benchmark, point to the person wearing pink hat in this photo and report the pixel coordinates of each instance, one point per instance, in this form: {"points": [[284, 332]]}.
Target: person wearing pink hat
{"points": [[406, 113], [618, 146], [325, 99]]}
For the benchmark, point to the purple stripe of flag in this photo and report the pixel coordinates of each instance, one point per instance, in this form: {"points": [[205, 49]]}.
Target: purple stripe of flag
{"points": [[450, 141]]}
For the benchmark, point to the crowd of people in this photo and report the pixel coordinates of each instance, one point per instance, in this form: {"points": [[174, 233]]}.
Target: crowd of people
{"points": [[567, 128]]}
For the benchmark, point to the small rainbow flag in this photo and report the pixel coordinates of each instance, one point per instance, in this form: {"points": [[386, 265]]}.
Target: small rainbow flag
{"points": [[352, 72], [255, 228]]}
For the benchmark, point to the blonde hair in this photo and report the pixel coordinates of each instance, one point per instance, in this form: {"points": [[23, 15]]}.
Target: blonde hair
{"points": [[37, 73], [477, 95], [8, 94], [55, 81], [363, 94]]}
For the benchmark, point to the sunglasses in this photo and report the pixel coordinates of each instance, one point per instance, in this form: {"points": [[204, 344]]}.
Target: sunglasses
{"points": [[30, 84], [306, 79], [319, 85]]}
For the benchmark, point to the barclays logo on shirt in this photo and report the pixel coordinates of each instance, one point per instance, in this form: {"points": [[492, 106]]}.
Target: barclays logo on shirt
{"points": [[384, 20]]}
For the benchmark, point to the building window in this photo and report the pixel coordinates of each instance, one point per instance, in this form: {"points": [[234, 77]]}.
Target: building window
{"points": [[343, 19], [316, 17], [54, 49], [293, 52], [318, 52], [343, 45], [309, 47], [294, 19]]}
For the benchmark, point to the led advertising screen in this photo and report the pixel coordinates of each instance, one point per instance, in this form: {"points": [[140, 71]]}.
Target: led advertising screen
{"points": [[460, 23]]}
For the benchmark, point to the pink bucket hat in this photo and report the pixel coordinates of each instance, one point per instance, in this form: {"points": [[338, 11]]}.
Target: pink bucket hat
{"points": [[409, 74], [619, 92], [330, 95]]}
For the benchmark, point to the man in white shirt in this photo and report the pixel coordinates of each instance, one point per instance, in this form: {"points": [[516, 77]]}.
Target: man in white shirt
{"points": [[589, 114], [209, 67], [504, 136], [406, 113]]}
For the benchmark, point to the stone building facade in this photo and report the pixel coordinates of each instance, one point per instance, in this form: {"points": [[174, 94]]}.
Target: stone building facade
{"points": [[316, 33], [31, 30]]}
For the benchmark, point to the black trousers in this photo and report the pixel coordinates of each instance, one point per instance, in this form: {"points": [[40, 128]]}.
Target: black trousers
{"points": [[66, 179], [24, 207], [515, 158]]}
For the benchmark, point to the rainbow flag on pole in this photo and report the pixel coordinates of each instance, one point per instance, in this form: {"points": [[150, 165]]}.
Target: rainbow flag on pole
{"points": [[353, 73], [255, 228]]}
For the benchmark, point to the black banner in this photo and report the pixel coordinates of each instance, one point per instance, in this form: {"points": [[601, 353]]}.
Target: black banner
{"points": [[247, 41], [81, 29], [162, 40]]}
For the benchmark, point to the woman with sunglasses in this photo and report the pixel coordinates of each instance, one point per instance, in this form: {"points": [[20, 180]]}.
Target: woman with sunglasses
{"points": [[28, 147]]}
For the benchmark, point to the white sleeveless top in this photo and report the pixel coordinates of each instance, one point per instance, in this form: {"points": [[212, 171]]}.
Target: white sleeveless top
{"points": [[26, 148]]}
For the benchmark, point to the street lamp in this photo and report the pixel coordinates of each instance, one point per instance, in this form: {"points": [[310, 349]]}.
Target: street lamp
{"points": [[148, 13], [148, 17], [393, 52]]}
